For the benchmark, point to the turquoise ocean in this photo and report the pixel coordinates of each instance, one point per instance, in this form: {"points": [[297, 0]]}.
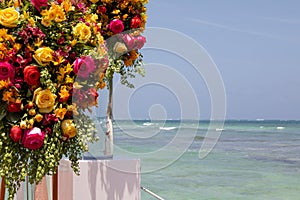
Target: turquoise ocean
{"points": [[252, 160]]}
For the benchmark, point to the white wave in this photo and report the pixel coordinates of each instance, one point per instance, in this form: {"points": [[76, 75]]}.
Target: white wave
{"points": [[147, 124], [167, 128], [280, 127]]}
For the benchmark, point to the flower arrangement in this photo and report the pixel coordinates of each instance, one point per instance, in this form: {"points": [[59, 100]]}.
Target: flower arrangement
{"points": [[54, 56]]}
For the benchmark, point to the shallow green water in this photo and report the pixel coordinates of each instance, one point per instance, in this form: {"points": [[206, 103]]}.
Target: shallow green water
{"points": [[252, 160]]}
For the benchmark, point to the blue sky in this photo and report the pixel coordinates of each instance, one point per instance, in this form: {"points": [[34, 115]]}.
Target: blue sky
{"points": [[255, 45]]}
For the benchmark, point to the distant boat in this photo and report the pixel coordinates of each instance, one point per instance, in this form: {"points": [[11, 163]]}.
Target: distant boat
{"points": [[260, 120], [280, 127]]}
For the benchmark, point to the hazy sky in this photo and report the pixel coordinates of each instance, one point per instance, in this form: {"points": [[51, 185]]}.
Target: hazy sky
{"points": [[254, 43]]}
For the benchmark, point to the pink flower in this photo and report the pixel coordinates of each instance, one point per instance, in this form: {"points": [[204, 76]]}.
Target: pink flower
{"points": [[47, 130], [129, 41], [116, 26], [6, 71], [49, 119], [140, 41], [78, 96], [39, 3], [60, 40], [33, 139], [134, 42], [84, 66]]}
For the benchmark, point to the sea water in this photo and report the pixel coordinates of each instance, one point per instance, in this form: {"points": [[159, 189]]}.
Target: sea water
{"points": [[252, 160]]}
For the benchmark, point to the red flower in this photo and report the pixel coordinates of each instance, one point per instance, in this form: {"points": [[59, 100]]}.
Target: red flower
{"points": [[32, 75], [39, 3], [47, 130], [6, 71], [60, 40], [33, 139], [14, 107], [102, 9], [15, 133], [135, 22], [116, 26]]}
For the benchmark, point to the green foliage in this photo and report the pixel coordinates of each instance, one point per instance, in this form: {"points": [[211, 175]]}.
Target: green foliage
{"points": [[36, 163]]}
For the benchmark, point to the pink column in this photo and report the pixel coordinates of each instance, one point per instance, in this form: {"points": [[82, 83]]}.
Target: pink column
{"points": [[100, 179]]}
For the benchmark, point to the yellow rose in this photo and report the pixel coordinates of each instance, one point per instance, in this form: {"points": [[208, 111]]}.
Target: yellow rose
{"points": [[9, 17], [82, 31], [68, 128], [43, 56], [44, 99]]}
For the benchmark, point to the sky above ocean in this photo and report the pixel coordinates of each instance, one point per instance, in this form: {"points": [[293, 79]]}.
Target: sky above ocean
{"points": [[254, 46]]}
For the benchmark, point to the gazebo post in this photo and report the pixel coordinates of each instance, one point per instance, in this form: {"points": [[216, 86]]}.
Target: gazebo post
{"points": [[2, 192], [55, 186]]}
